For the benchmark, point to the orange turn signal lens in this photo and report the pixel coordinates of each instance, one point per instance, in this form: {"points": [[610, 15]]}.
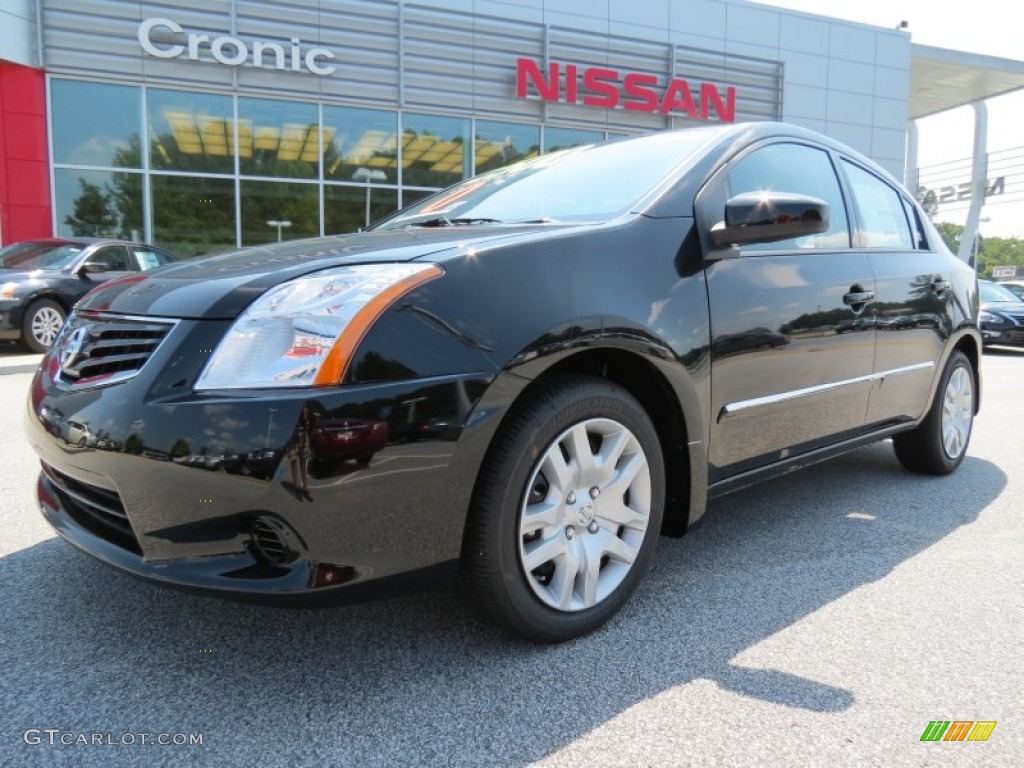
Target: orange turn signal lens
{"points": [[334, 367]]}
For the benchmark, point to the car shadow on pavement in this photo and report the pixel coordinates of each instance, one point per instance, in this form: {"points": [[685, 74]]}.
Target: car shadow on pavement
{"points": [[418, 680]]}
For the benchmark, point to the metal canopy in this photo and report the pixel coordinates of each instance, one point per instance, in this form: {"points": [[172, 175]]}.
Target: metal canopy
{"points": [[942, 79]]}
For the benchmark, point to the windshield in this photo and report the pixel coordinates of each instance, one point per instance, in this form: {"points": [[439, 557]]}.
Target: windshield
{"points": [[992, 292], [586, 184], [29, 256]]}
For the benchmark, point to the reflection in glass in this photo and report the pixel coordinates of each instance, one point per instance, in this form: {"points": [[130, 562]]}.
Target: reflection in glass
{"points": [[346, 209], [279, 138], [797, 169], [360, 138], [193, 216], [95, 123], [410, 196], [98, 203], [191, 131], [434, 150], [500, 144], [563, 138], [274, 211]]}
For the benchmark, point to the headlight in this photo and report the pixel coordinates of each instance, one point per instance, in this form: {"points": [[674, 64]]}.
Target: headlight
{"points": [[304, 332], [990, 318], [7, 290]]}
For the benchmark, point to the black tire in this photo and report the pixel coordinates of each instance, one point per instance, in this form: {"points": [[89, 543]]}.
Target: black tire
{"points": [[926, 449], [38, 329], [495, 549]]}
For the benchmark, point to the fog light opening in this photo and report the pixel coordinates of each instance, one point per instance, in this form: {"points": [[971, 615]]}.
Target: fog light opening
{"points": [[269, 540]]}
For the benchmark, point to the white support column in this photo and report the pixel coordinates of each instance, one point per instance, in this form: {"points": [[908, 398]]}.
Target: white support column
{"points": [[911, 173], [979, 180]]}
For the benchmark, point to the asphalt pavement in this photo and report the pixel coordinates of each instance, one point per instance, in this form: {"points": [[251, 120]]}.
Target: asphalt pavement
{"points": [[822, 619]]}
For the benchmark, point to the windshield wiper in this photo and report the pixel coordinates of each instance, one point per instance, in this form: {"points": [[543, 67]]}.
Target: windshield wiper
{"points": [[444, 221]]}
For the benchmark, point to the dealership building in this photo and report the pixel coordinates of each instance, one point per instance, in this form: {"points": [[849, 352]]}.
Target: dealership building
{"points": [[202, 125]]}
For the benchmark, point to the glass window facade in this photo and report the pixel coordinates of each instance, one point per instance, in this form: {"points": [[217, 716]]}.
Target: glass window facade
{"points": [[220, 171], [99, 203]]}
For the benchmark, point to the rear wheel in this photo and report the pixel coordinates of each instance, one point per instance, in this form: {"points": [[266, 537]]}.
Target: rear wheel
{"points": [[42, 322], [566, 512], [939, 443]]}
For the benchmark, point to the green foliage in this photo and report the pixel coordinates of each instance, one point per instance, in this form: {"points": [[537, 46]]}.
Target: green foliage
{"points": [[951, 234], [94, 214], [999, 251], [992, 251]]}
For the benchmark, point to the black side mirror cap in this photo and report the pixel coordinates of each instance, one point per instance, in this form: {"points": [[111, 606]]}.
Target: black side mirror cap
{"points": [[765, 217]]}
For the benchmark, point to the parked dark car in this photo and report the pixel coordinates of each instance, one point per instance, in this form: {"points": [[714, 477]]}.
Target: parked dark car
{"points": [[572, 321], [40, 280], [1002, 315], [1016, 287]]}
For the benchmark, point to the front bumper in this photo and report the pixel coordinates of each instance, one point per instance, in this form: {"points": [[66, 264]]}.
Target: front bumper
{"points": [[233, 494], [12, 312], [1006, 335]]}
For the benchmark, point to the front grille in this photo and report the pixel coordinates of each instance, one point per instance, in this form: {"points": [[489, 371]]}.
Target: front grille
{"points": [[96, 349], [99, 510]]}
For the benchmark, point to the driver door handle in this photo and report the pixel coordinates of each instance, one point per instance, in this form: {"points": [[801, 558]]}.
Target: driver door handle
{"points": [[859, 297]]}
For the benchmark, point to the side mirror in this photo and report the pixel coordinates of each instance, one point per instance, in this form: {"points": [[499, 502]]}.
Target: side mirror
{"points": [[92, 267], [765, 217]]}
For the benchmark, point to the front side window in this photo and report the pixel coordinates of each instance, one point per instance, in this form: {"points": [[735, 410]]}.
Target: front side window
{"points": [[796, 169], [113, 257], [882, 216]]}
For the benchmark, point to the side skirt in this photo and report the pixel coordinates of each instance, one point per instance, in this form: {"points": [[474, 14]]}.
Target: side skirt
{"points": [[793, 463]]}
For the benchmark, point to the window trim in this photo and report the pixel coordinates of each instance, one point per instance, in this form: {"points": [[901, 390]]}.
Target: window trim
{"points": [[712, 196], [860, 245]]}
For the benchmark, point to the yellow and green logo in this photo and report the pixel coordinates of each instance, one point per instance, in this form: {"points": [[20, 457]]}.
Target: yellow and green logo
{"points": [[958, 730]]}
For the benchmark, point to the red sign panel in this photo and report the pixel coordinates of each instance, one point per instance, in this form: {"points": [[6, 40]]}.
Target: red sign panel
{"points": [[610, 89]]}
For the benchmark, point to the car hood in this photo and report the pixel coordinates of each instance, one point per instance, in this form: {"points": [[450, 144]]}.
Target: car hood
{"points": [[220, 287], [24, 275]]}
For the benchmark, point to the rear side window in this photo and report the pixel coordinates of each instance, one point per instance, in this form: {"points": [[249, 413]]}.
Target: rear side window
{"points": [[148, 258], [802, 170], [883, 217]]}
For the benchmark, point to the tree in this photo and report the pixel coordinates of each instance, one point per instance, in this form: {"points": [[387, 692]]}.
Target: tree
{"points": [[94, 213], [927, 201], [951, 234], [999, 251]]}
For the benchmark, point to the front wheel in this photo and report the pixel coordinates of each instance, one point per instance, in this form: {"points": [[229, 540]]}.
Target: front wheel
{"points": [[42, 323], [566, 512], [939, 443]]}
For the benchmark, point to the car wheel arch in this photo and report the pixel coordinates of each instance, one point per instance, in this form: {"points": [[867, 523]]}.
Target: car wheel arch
{"points": [[685, 492]]}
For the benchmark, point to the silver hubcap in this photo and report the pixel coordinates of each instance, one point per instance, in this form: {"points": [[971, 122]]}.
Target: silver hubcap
{"points": [[585, 514], [957, 412], [46, 323]]}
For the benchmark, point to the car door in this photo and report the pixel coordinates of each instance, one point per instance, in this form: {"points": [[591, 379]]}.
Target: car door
{"points": [[912, 295], [792, 351]]}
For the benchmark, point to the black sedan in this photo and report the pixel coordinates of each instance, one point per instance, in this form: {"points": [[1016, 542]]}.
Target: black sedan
{"points": [[40, 280], [579, 324], [1002, 315]]}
